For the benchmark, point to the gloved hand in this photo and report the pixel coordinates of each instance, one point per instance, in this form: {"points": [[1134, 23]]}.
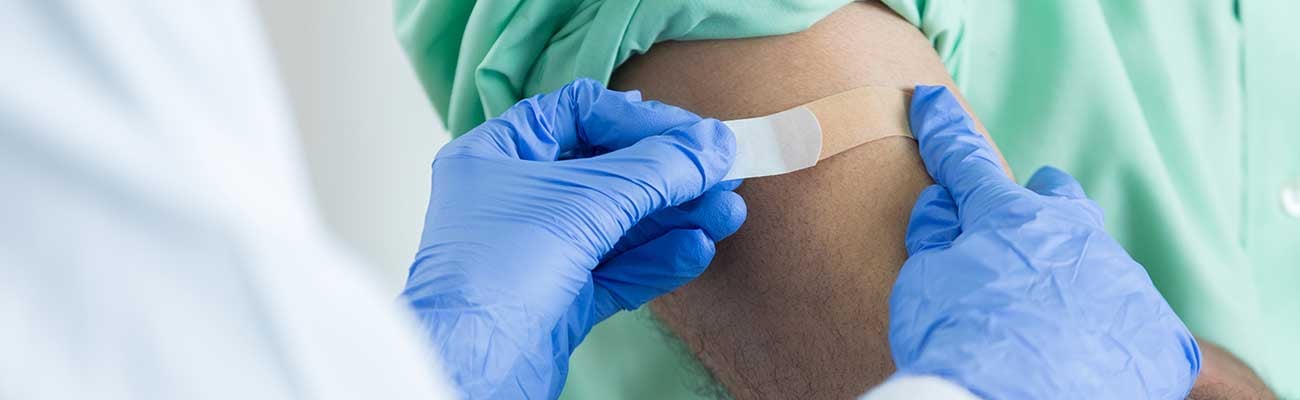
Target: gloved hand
{"points": [[1018, 292], [567, 208]]}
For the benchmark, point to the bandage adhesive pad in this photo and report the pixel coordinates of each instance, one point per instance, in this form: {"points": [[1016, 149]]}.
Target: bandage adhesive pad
{"points": [[798, 138]]}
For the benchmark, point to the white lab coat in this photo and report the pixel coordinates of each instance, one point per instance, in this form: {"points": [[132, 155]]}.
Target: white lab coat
{"points": [[157, 235], [157, 238]]}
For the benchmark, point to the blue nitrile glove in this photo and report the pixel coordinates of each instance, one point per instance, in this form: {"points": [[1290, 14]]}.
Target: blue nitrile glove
{"points": [[567, 208], [1018, 292]]}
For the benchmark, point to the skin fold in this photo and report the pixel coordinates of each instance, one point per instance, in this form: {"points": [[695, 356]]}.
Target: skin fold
{"points": [[795, 304]]}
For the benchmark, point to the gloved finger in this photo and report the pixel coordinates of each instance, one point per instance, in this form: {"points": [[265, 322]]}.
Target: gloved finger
{"points": [[729, 185], [934, 222], [580, 119], [1053, 182], [663, 170], [717, 212], [1050, 181], [955, 155], [650, 270]]}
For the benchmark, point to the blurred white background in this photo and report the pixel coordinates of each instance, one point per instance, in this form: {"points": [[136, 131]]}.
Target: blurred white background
{"points": [[368, 131]]}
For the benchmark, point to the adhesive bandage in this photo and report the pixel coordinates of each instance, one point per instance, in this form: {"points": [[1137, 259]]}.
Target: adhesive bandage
{"points": [[798, 138]]}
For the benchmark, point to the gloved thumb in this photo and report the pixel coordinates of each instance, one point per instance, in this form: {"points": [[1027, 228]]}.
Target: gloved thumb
{"points": [[1050, 181], [663, 170], [934, 221]]}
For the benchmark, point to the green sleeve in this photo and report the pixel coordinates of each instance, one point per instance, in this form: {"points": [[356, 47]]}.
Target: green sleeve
{"points": [[943, 22], [475, 60]]}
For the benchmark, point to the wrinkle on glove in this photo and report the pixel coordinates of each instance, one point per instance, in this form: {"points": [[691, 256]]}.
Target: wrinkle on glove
{"points": [[1019, 293], [570, 207]]}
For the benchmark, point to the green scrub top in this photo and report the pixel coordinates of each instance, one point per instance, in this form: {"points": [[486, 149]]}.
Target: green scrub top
{"points": [[1181, 120]]}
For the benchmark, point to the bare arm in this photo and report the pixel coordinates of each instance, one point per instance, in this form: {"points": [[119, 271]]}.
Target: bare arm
{"points": [[1224, 376], [795, 304]]}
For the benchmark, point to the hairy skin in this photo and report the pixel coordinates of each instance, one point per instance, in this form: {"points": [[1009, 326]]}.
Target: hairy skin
{"points": [[795, 305], [1225, 377]]}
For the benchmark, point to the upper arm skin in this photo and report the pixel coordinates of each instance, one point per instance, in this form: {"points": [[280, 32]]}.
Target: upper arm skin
{"points": [[795, 304], [1224, 376]]}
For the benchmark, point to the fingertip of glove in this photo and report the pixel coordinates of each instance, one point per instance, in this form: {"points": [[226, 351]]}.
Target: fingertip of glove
{"points": [[722, 137], [581, 88], [934, 109], [720, 213], [729, 185], [591, 91], [946, 134], [924, 92], [725, 142], [1052, 181], [713, 145], [928, 99], [1195, 355], [695, 250], [584, 84], [733, 215]]}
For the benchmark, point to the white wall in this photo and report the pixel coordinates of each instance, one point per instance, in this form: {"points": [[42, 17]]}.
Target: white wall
{"points": [[368, 131]]}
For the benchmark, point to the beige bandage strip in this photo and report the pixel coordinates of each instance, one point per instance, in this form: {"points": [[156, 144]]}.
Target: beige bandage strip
{"points": [[798, 138]]}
